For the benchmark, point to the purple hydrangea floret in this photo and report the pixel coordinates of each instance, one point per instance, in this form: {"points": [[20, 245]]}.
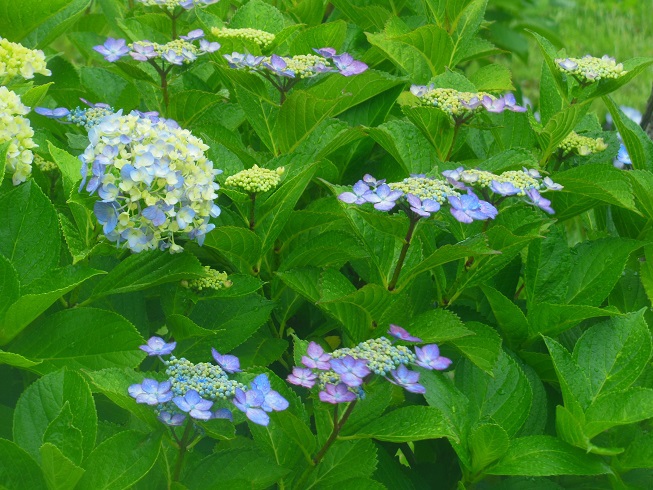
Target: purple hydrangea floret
{"points": [[302, 377], [468, 208], [424, 207], [407, 379], [250, 402], [351, 371], [535, 198], [316, 358], [171, 419], [156, 346], [229, 363], [347, 65], [359, 189], [193, 404], [429, 357], [402, 334], [151, 392], [339, 393], [384, 198], [112, 49]]}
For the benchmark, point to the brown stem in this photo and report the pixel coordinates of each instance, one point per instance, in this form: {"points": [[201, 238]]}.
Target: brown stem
{"points": [[404, 250], [252, 198], [183, 445]]}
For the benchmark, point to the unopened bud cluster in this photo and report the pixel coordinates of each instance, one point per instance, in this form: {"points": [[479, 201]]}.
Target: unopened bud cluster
{"points": [[255, 180], [209, 380], [589, 69], [43, 164], [16, 129], [262, 38], [425, 188], [16, 59], [213, 280], [381, 355], [449, 100], [582, 145]]}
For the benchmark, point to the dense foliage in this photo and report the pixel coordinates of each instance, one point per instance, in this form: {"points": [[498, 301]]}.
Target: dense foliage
{"points": [[271, 244]]}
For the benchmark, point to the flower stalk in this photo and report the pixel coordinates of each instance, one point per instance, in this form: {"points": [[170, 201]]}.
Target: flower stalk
{"points": [[414, 219]]}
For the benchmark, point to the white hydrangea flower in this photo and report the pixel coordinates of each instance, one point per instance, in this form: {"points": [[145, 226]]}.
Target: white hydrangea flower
{"points": [[15, 129], [16, 59]]}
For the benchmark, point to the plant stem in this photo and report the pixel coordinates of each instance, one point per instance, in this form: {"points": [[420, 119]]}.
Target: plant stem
{"points": [[183, 445], [252, 207], [337, 426], [453, 140], [404, 250], [164, 89]]}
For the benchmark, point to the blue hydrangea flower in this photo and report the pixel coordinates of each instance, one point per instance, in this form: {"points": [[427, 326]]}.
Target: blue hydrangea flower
{"points": [[156, 346], [360, 188], [57, 113], [151, 392], [384, 198], [171, 419], [468, 208], [272, 399], [193, 404], [250, 402], [623, 158], [347, 65], [407, 379], [537, 200], [351, 371], [493, 105], [429, 357], [424, 207], [339, 393], [302, 377], [223, 413], [112, 49], [510, 103], [402, 334], [504, 188], [231, 364], [316, 358]]}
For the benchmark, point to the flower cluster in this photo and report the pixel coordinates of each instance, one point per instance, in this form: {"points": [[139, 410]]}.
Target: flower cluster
{"points": [[255, 179], [85, 117], [213, 280], [15, 129], [171, 5], [192, 389], [300, 66], [261, 38], [43, 164], [341, 374], [462, 105], [420, 194], [582, 145], [526, 183], [589, 69], [153, 179], [178, 52], [16, 59]]}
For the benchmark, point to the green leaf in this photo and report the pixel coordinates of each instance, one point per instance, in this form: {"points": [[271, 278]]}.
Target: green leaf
{"points": [[330, 34], [407, 424], [547, 270], [369, 18], [337, 467], [114, 383], [256, 14], [9, 285], [613, 353], [36, 24], [42, 402], [328, 249], [633, 67], [60, 472], [618, 408], [557, 129], [127, 467], [17, 469], [510, 318], [638, 143], [239, 245], [220, 429], [69, 166], [596, 268], [483, 348], [189, 106], [422, 53], [438, 325], [3, 159], [574, 383], [35, 95], [16, 360], [64, 435], [107, 86], [487, 443], [40, 295], [548, 319], [639, 454], [504, 396], [377, 399], [261, 114], [30, 238], [549, 54], [547, 456], [492, 78], [435, 125], [64, 339], [148, 269]]}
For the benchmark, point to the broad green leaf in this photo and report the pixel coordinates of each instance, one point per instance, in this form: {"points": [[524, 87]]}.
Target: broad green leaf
{"points": [[60, 472], [127, 467], [466, 27], [105, 85], [35, 95], [557, 129], [547, 456], [3, 159], [146, 269], [261, 114], [642, 184], [189, 106], [574, 383], [613, 353], [64, 435], [569, 428], [547, 270], [256, 14], [40, 295], [328, 249], [436, 126], [438, 325], [9, 285], [596, 268], [330, 34], [377, 399], [114, 383], [483, 348], [220, 429], [549, 319], [65, 339], [30, 238], [36, 24], [638, 143], [504, 396], [239, 245], [337, 467], [619, 408], [510, 318], [407, 424], [18, 469], [42, 402], [633, 67], [422, 53], [492, 78], [262, 349], [487, 443], [12, 359], [69, 166], [549, 53], [639, 454], [370, 18]]}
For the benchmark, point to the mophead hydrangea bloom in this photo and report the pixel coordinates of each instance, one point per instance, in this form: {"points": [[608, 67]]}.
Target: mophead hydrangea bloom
{"points": [[153, 179], [255, 179], [261, 38], [582, 145], [589, 69], [16, 129], [16, 59], [462, 105], [342, 374]]}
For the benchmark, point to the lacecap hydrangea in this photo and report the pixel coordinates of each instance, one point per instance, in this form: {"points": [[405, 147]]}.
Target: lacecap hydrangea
{"points": [[153, 180], [582, 145], [15, 129], [16, 59], [590, 69], [84, 117]]}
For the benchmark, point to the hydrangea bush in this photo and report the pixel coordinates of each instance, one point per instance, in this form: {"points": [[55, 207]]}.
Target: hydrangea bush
{"points": [[323, 245]]}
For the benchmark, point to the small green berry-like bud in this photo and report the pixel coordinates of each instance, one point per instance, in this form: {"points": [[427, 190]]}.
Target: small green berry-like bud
{"points": [[255, 179]]}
